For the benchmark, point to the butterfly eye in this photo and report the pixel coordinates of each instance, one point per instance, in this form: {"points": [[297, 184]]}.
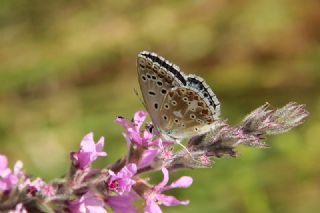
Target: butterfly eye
{"points": [[185, 99], [192, 116], [174, 103], [148, 76], [153, 77], [176, 121], [166, 106], [164, 117]]}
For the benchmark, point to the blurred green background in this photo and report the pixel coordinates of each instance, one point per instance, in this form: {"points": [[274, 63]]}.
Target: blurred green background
{"points": [[69, 67]]}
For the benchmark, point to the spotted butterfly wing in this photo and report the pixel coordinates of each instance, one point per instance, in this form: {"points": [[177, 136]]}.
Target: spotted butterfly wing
{"points": [[156, 77], [188, 111], [180, 106]]}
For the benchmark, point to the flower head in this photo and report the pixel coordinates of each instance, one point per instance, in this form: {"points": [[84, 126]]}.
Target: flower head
{"points": [[89, 152], [122, 181], [132, 129], [154, 197], [275, 121], [150, 145], [88, 203]]}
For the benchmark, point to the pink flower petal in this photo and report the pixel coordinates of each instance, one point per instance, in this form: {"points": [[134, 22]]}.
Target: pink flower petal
{"points": [[3, 162], [82, 159], [152, 207], [170, 200], [17, 167], [123, 203], [147, 135], [165, 179], [88, 203], [134, 136], [183, 182], [148, 157], [128, 171], [138, 119], [122, 122], [87, 143], [100, 144]]}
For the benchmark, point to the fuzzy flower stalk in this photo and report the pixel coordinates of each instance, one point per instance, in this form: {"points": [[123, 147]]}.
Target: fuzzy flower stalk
{"points": [[119, 186]]}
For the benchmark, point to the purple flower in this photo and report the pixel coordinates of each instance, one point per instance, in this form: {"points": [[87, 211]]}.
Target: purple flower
{"points": [[8, 179], [123, 203], [122, 182], [154, 197], [133, 129], [88, 203], [89, 152], [153, 147], [133, 135]]}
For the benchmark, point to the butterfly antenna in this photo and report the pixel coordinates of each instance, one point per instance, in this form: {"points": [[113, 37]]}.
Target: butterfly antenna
{"points": [[140, 99]]}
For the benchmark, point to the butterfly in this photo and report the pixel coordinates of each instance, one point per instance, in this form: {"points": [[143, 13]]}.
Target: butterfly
{"points": [[180, 105]]}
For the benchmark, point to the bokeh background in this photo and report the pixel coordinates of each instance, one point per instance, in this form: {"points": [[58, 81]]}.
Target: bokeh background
{"points": [[68, 68]]}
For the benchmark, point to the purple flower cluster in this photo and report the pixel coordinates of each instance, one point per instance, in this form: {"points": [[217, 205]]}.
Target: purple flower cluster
{"points": [[120, 180], [118, 186], [16, 183]]}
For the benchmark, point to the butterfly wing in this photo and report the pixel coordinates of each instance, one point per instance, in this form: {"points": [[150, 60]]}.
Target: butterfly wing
{"points": [[156, 77], [186, 112], [200, 86]]}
